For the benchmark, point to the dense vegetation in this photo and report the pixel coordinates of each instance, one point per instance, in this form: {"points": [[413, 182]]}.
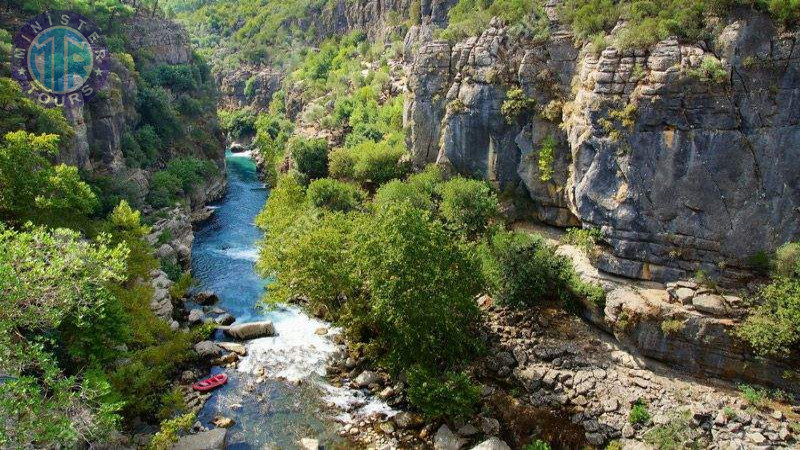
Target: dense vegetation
{"points": [[81, 353]]}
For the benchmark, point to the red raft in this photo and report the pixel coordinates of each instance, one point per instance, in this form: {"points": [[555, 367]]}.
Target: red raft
{"points": [[210, 383]]}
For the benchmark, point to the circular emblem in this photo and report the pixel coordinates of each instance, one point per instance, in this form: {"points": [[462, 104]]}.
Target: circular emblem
{"points": [[60, 59]]}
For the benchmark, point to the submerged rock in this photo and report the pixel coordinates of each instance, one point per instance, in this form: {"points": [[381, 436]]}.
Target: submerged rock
{"points": [[251, 330], [207, 440]]}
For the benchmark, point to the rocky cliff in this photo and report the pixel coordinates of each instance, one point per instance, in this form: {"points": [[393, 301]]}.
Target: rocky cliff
{"points": [[680, 170], [100, 125]]}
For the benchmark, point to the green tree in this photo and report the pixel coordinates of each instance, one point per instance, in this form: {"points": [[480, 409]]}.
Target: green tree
{"points": [[468, 206], [311, 156]]}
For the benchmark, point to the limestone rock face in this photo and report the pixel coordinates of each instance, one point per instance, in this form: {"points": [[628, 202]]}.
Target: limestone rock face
{"points": [[682, 173]]}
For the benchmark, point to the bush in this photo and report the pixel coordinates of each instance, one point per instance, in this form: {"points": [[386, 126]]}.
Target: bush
{"points": [[238, 123], [155, 106], [165, 188], [584, 238], [421, 286], [639, 414], [471, 17], [711, 70], [310, 156], [546, 157], [675, 434], [334, 195], [516, 105], [522, 270], [396, 192], [787, 260], [773, 327], [756, 397], [450, 395], [369, 162], [468, 206], [342, 164], [538, 444]]}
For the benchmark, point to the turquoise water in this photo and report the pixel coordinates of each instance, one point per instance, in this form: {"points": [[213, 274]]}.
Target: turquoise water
{"points": [[274, 410]]}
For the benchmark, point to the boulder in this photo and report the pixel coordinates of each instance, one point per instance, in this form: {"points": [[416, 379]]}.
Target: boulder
{"points": [[223, 422], [205, 298], [234, 347], [207, 440], [309, 444], [444, 439], [251, 330], [208, 350], [225, 319], [492, 444], [405, 420], [366, 378], [711, 304], [195, 316]]}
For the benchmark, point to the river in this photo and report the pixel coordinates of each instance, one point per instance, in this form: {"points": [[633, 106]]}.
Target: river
{"points": [[290, 399]]}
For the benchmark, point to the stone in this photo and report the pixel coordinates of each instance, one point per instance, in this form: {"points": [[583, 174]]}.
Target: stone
{"points": [[684, 295], [309, 444], [223, 422], [628, 431], [225, 319], [387, 427], [195, 316], [234, 347], [366, 378], [208, 350], [206, 440], [252, 330], [710, 303], [205, 298], [444, 439], [492, 443], [490, 426], [756, 438], [467, 430], [405, 420], [777, 415], [321, 331]]}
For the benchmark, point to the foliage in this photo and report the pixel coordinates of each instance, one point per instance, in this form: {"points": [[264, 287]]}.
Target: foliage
{"points": [[675, 434], [20, 113], [787, 260], [516, 105], [711, 70], [584, 238], [154, 103], [639, 414], [310, 156], [672, 326], [471, 17], [32, 188], [238, 123], [421, 286], [468, 206], [167, 436], [53, 280], [373, 162], [179, 177], [538, 444], [272, 134], [755, 396], [182, 286], [522, 270], [450, 395], [334, 195], [178, 77], [546, 157]]}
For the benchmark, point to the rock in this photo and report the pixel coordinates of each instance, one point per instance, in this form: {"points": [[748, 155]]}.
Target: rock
{"points": [[223, 422], [206, 440], [366, 378], [386, 393], [490, 426], [225, 319], [711, 304], [309, 444], [467, 430], [187, 376], [596, 439], [444, 439], [208, 350], [386, 427], [492, 444], [250, 330], [225, 359], [195, 316], [205, 298], [234, 347], [628, 431], [321, 331], [777, 415], [405, 420], [684, 295], [756, 438]]}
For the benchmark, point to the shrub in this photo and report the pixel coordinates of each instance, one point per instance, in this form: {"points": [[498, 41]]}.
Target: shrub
{"points": [[639, 414], [182, 286], [155, 106], [522, 270], [787, 260], [471, 17], [672, 326], [421, 286], [334, 195], [341, 164], [516, 105], [538, 444], [711, 70], [675, 434], [238, 123], [450, 395], [773, 327], [755, 396], [584, 238], [396, 192], [310, 156], [546, 158], [468, 206], [165, 188]]}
